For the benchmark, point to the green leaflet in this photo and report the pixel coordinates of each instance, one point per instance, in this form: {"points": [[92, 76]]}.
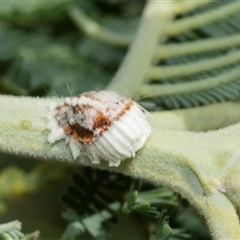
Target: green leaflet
{"points": [[221, 93]]}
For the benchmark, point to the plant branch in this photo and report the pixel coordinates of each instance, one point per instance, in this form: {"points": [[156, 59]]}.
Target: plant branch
{"points": [[133, 70], [190, 87], [200, 46], [190, 163], [196, 159], [201, 19], [96, 31], [203, 118], [159, 73], [186, 6], [216, 210]]}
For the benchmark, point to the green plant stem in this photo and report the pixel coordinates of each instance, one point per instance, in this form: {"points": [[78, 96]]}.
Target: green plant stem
{"points": [[217, 209], [133, 70], [96, 31], [186, 6], [194, 164], [200, 46], [230, 173], [204, 118], [162, 72], [200, 19], [189, 87]]}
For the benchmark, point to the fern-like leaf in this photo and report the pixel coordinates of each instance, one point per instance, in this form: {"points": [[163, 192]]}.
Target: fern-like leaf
{"points": [[163, 230], [173, 86], [92, 202]]}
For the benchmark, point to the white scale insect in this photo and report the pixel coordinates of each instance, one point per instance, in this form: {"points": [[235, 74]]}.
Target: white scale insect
{"points": [[102, 125]]}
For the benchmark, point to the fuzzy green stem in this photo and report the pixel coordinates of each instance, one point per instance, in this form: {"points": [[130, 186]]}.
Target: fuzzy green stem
{"points": [[190, 163], [159, 73], [200, 46], [216, 210], [134, 68], [203, 18], [189, 87]]}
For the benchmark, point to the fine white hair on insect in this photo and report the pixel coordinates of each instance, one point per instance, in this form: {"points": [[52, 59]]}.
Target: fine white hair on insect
{"points": [[101, 125], [70, 90]]}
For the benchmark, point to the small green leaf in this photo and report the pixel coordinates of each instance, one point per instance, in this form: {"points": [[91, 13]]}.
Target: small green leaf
{"points": [[163, 230], [141, 207], [152, 212]]}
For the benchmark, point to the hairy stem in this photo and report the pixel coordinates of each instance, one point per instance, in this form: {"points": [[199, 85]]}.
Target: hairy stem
{"points": [[217, 209], [190, 163], [159, 73], [200, 46], [134, 68]]}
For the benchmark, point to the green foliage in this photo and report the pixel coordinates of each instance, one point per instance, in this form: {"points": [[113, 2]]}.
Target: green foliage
{"points": [[94, 224], [40, 62], [185, 71], [92, 201], [92, 188], [163, 229], [143, 207], [148, 203], [95, 199]]}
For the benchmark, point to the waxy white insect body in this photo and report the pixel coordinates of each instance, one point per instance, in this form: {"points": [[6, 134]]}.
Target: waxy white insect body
{"points": [[102, 125]]}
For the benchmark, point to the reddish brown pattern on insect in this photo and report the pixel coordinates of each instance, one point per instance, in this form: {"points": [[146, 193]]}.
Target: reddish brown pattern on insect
{"points": [[102, 118]]}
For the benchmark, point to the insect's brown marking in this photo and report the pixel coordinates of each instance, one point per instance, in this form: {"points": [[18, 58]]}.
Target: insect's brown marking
{"points": [[57, 111], [127, 107], [67, 128], [101, 122], [76, 109], [82, 134], [74, 134]]}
